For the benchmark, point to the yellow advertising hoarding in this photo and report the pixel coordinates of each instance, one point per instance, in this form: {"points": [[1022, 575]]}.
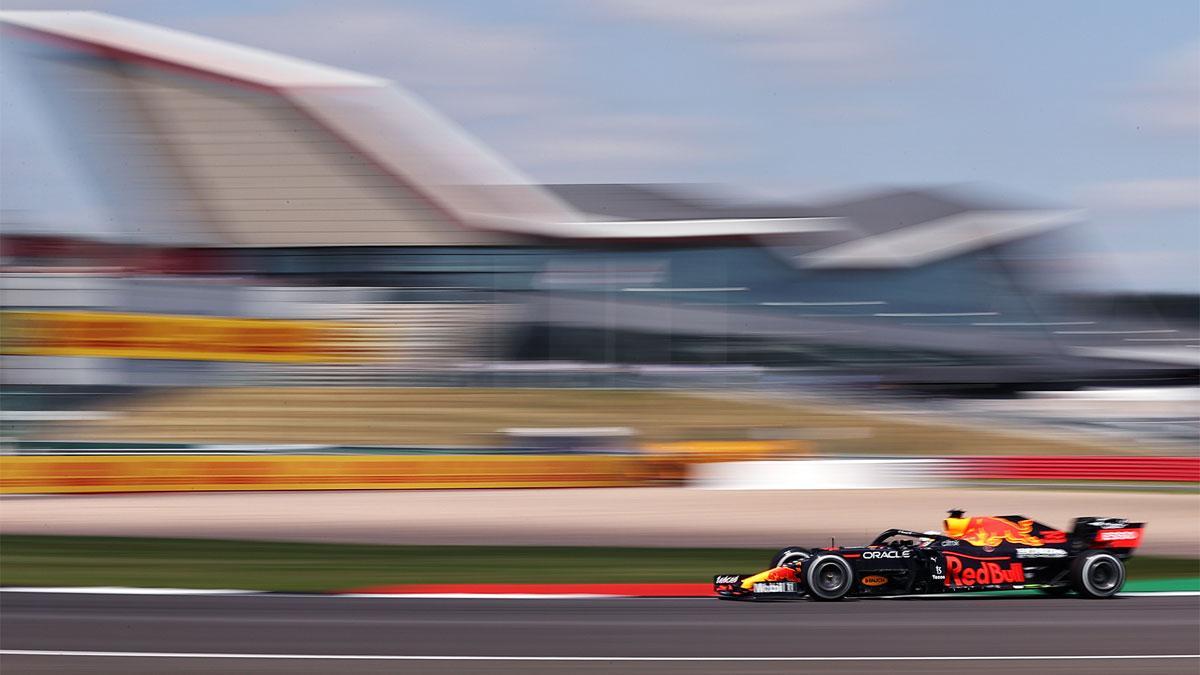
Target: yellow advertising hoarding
{"points": [[160, 336], [182, 473]]}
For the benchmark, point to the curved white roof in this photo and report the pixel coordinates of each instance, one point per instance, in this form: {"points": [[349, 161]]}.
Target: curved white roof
{"points": [[296, 153], [227, 59], [357, 130]]}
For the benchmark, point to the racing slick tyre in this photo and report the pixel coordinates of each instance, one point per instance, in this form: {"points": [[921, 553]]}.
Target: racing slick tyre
{"points": [[1097, 574], [828, 577], [791, 554]]}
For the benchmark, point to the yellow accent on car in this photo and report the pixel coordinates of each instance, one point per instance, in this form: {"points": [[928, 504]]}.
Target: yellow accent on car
{"points": [[748, 582]]}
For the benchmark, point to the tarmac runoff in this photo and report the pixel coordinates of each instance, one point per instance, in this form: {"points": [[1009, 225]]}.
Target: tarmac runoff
{"points": [[666, 517], [42, 632], [559, 591]]}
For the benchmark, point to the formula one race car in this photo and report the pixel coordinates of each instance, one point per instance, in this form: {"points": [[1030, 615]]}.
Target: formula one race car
{"points": [[985, 553]]}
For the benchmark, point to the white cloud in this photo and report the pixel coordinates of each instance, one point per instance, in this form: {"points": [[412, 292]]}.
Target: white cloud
{"points": [[815, 39], [1146, 194], [474, 71], [616, 147], [1169, 99]]}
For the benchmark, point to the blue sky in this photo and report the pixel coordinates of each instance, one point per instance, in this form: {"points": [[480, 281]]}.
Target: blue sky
{"points": [[1077, 103]]}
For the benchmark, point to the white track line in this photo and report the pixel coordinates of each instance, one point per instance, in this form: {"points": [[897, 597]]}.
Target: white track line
{"points": [[1160, 594], [449, 657], [968, 594], [118, 590], [128, 590], [487, 596]]}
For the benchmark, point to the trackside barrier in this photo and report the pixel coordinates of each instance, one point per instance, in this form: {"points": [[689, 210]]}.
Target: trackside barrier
{"points": [[146, 472], [818, 474], [1165, 469], [167, 473]]}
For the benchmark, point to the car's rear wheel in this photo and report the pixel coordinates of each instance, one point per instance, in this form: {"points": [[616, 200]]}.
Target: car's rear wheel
{"points": [[828, 577], [791, 554], [1097, 574]]}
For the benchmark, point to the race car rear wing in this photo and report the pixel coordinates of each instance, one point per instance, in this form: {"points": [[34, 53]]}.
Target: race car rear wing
{"points": [[1116, 534]]}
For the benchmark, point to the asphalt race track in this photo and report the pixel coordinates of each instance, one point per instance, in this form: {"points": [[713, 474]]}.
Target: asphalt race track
{"points": [[921, 635]]}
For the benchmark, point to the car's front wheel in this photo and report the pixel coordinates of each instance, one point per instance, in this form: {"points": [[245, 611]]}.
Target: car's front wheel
{"points": [[1097, 574], [828, 577], [791, 554]]}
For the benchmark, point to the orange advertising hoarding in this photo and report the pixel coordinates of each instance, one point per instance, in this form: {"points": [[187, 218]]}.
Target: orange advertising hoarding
{"points": [[166, 473], [160, 336]]}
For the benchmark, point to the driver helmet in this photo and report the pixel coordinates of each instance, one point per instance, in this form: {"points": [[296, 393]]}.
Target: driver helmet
{"points": [[955, 526]]}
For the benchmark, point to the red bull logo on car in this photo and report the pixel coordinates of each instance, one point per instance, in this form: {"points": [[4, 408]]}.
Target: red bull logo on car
{"points": [[984, 574], [992, 531], [782, 574]]}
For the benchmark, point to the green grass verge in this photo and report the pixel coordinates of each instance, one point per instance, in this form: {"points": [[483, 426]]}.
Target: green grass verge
{"points": [[193, 563], [30, 560]]}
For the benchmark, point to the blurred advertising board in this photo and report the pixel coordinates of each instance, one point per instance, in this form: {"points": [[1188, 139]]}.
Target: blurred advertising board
{"points": [[159, 473], [160, 336]]}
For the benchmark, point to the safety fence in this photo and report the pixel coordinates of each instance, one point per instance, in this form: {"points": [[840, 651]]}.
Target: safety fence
{"points": [[705, 451]]}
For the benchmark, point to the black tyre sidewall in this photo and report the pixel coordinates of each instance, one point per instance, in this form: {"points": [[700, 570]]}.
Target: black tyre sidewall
{"points": [[789, 554], [1082, 568], [814, 565]]}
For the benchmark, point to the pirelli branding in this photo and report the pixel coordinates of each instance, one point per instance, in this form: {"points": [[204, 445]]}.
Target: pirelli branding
{"points": [[1046, 552]]}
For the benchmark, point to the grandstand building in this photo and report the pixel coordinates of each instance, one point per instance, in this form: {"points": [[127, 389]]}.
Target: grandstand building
{"points": [[331, 194]]}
